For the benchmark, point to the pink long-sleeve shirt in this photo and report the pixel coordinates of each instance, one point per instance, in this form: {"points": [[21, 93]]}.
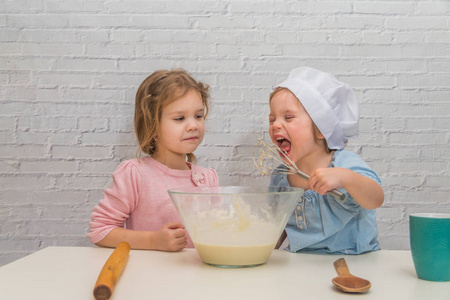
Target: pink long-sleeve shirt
{"points": [[138, 196]]}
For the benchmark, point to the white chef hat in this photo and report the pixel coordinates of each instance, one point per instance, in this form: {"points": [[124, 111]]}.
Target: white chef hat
{"points": [[331, 104]]}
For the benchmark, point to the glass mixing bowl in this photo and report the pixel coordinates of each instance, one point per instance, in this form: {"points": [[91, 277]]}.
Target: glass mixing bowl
{"points": [[235, 226]]}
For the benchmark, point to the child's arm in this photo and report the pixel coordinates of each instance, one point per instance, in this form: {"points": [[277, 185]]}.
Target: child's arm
{"points": [[366, 192], [170, 237]]}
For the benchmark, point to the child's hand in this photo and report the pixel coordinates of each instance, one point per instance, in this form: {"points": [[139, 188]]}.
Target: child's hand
{"points": [[364, 190], [326, 179], [171, 237]]}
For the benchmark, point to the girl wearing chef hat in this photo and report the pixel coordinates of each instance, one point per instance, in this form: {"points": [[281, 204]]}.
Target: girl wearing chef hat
{"points": [[312, 116]]}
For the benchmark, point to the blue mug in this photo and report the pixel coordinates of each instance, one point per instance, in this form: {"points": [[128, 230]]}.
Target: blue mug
{"points": [[430, 245]]}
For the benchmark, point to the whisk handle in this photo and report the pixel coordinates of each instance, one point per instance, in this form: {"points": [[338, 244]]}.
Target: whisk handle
{"points": [[335, 193], [301, 174]]}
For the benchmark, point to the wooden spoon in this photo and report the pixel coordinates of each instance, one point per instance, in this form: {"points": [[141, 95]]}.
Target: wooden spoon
{"points": [[346, 282]]}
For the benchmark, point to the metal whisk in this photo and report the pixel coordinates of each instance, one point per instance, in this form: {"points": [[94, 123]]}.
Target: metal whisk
{"points": [[273, 152]]}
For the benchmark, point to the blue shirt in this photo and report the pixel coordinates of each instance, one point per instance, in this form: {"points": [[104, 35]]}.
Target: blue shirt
{"points": [[324, 224]]}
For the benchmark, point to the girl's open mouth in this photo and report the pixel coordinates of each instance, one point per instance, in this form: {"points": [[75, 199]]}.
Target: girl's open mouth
{"points": [[284, 145]]}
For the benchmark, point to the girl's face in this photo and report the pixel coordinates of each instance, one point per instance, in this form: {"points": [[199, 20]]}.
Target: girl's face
{"points": [[291, 127], [182, 128]]}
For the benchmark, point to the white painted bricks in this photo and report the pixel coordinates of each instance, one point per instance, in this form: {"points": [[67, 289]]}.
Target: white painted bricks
{"points": [[69, 71]]}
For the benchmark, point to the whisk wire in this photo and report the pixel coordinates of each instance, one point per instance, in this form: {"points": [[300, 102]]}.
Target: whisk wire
{"points": [[274, 152]]}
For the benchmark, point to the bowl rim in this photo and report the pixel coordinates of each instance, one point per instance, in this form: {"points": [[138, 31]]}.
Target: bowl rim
{"points": [[251, 190]]}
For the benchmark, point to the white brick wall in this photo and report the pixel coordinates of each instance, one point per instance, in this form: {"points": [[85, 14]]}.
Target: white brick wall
{"points": [[69, 71]]}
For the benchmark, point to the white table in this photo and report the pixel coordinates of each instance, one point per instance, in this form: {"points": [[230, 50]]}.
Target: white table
{"points": [[71, 272]]}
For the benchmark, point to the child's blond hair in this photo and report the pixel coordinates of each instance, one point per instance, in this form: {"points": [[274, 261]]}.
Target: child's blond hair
{"points": [[157, 91]]}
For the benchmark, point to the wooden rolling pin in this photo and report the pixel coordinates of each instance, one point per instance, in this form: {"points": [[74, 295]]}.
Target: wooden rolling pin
{"points": [[111, 271]]}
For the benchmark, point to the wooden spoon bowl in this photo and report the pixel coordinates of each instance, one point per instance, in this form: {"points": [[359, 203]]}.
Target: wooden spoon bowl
{"points": [[346, 282]]}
